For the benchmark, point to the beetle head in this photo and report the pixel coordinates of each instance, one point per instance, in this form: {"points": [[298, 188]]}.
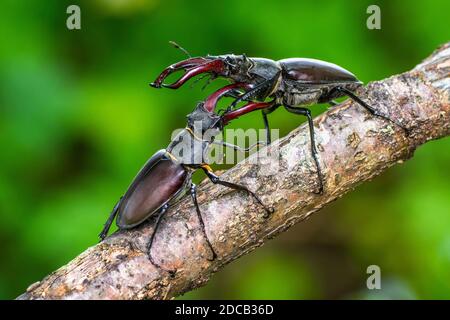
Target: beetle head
{"points": [[201, 120], [236, 67]]}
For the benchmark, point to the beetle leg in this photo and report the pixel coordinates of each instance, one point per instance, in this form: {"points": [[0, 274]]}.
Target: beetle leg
{"points": [[162, 211], [233, 94], [265, 112], [203, 76], [262, 87], [110, 220], [237, 148], [267, 108], [307, 113], [212, 77], [216, 180], [200, 219], [333, 103], [373, 111], [266, 126]]}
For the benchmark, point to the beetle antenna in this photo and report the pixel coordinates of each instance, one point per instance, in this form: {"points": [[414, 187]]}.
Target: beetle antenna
{"points": [[176, 45]]}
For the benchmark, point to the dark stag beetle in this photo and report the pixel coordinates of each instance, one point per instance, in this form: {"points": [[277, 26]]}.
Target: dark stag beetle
{"points": [[293, 83], [166, 177]]}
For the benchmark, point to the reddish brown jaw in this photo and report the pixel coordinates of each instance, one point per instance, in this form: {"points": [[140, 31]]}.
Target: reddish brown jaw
{"points": [[192, 67], [249, 107], [211, 101]]}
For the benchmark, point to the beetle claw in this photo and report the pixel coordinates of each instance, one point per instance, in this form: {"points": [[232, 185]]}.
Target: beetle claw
{"points": [[169, 271], [172, 273], [192, 67], [319, 191], [269, 212], [213, 255], [159, 267]]}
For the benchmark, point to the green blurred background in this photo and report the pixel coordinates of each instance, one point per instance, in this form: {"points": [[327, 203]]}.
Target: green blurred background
{"points": [[78, 119]]}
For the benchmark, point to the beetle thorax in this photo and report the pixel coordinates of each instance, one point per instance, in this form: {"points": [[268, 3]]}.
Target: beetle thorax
{"points": [[191, 144], [202, 120], [186, 148]]}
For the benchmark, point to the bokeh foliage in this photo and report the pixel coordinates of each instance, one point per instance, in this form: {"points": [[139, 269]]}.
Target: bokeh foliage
{"points": [[77, 120]]}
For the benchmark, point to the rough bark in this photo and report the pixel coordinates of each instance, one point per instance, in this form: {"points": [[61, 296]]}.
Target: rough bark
{"points": [[354, 147]]}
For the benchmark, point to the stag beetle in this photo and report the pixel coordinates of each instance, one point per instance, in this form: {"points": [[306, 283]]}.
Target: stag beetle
{"points": [[294, 83], [166, 176]]}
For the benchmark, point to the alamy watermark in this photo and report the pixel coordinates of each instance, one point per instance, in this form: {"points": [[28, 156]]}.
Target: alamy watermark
{"points": [[374, 280], [73, 21], [374, 20]]}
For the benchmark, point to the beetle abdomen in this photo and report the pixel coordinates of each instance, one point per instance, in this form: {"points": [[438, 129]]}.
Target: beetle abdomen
{"points": [[156, 184], [301, 98], [315, 71]]}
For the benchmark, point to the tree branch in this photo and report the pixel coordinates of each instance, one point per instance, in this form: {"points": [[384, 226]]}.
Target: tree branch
{"points": [[353, 147]]}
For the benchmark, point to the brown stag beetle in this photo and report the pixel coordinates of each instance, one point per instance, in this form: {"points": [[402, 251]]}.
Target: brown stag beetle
{"points": [[166, 177], [293, 83]]}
